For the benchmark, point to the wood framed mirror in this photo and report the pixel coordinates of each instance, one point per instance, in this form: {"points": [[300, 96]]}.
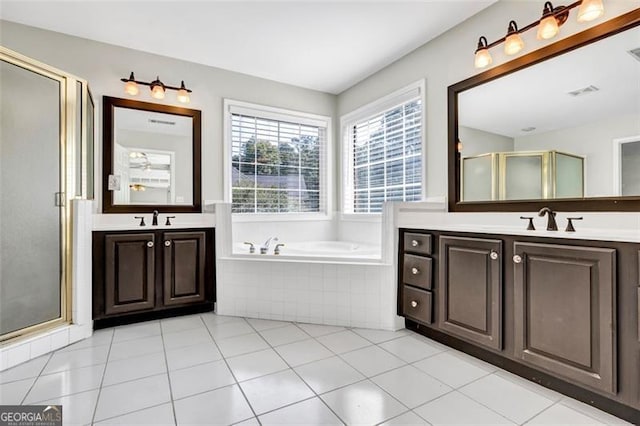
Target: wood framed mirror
{"points": [[151, 157], [558, 127]]}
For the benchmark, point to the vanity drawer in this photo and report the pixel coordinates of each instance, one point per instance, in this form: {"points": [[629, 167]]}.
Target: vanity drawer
{"points": [[417, 243], [417, 304], [417, 271]]}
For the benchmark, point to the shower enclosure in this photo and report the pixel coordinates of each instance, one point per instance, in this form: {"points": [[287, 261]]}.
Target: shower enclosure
{"points": [[46, 160]]}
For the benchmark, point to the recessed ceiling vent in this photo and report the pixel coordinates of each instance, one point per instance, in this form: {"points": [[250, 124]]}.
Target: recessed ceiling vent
{"points": [[635, 53], [583, 91], [169, 123]]}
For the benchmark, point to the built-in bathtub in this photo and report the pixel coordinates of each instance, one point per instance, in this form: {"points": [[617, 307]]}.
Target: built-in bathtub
{"points": [[332, 282]]}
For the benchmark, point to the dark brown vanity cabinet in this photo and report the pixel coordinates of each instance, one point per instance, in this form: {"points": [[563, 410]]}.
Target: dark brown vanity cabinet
{"points": [[470, 300], [184, 267], [416, 298], [561, 312], [129, 273], [141, 275], [565, 311]]}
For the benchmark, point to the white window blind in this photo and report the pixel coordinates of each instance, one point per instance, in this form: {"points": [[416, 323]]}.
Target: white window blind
{"points": [[385, 157], [277, 165]]}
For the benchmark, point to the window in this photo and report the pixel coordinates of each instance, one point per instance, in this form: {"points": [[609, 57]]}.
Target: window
{"points": [[383, 143], [277, 160]]}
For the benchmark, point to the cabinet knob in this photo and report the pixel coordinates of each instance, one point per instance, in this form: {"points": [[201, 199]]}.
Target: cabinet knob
{"points": [[149, 244], [493, 255], [167, 243], [517, 259], [415, 271], [414, 243], [414, 304]]}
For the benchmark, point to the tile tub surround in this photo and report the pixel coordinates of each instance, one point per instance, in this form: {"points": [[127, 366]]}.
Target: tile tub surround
{"points": [[355, 295], [331, 291], [247, 370]]}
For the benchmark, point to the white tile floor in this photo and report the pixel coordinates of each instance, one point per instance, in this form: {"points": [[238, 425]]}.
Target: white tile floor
{"points": [[209, 369]]}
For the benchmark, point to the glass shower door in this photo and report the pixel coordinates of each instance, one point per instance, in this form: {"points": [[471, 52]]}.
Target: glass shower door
{"points": [[31, 218]]}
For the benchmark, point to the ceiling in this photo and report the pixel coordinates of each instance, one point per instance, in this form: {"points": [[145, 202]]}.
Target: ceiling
{"points": [[539, 97], [323, 45]]}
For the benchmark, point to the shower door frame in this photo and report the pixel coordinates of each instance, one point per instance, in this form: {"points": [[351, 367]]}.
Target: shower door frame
{"points": [[68, 176]]}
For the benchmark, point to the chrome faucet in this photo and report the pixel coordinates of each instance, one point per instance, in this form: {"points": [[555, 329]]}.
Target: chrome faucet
{"points": [[551, 218], [265, 246], [155, 218]]}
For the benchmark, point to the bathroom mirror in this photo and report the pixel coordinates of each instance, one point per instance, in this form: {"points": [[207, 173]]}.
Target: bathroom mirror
{"points": [[558, 127], [151, 157]]}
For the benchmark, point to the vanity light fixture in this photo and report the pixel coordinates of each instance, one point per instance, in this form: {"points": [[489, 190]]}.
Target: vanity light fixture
{"points": [[547, 26], [513, 42], [157, 87], [483, 57]]}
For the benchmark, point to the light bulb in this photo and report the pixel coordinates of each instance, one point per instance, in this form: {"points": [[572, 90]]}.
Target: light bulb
{"points": [[590, 10], [513, 42], [157, 89], [548, 28], [131, 88], [483, 58], [183, 94], [157, 92]]}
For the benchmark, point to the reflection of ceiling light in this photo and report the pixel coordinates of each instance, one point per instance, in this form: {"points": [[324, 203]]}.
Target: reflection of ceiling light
{"points": [[137, 187], [548, 27], [635, 53], [147, 167], [136, 154], [158, 88], [583, 91]]}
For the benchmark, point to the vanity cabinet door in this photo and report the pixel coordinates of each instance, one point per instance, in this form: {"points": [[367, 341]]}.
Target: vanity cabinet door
{"points": [[565, 311], [184, 267], [129, 272], [470, 289]]}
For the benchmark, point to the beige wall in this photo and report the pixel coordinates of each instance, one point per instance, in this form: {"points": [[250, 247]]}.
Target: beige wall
{"points": [[449, 59], [103, 65], [442, 62]]}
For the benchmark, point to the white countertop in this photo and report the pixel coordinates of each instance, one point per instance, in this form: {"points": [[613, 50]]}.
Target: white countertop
{"points": [[597, 226], [622, 235], [126, 221]]}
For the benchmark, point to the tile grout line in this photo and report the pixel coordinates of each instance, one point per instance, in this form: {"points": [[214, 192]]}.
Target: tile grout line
{"points": [[538, 413], [50, 355], [231, 371], [166, 364], [104, 372], [315, 394]]}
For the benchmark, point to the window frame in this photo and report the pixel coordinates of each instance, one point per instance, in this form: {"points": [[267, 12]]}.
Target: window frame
{"points": [[230, 107], [378, 106]]}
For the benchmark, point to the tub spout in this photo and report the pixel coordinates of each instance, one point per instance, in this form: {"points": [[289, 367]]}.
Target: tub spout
{"points": [[265, 246]]}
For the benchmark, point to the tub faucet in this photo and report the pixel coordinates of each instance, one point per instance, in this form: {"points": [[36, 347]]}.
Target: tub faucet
{"points": [[155, 218], [265, 246], [551, 218]]}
